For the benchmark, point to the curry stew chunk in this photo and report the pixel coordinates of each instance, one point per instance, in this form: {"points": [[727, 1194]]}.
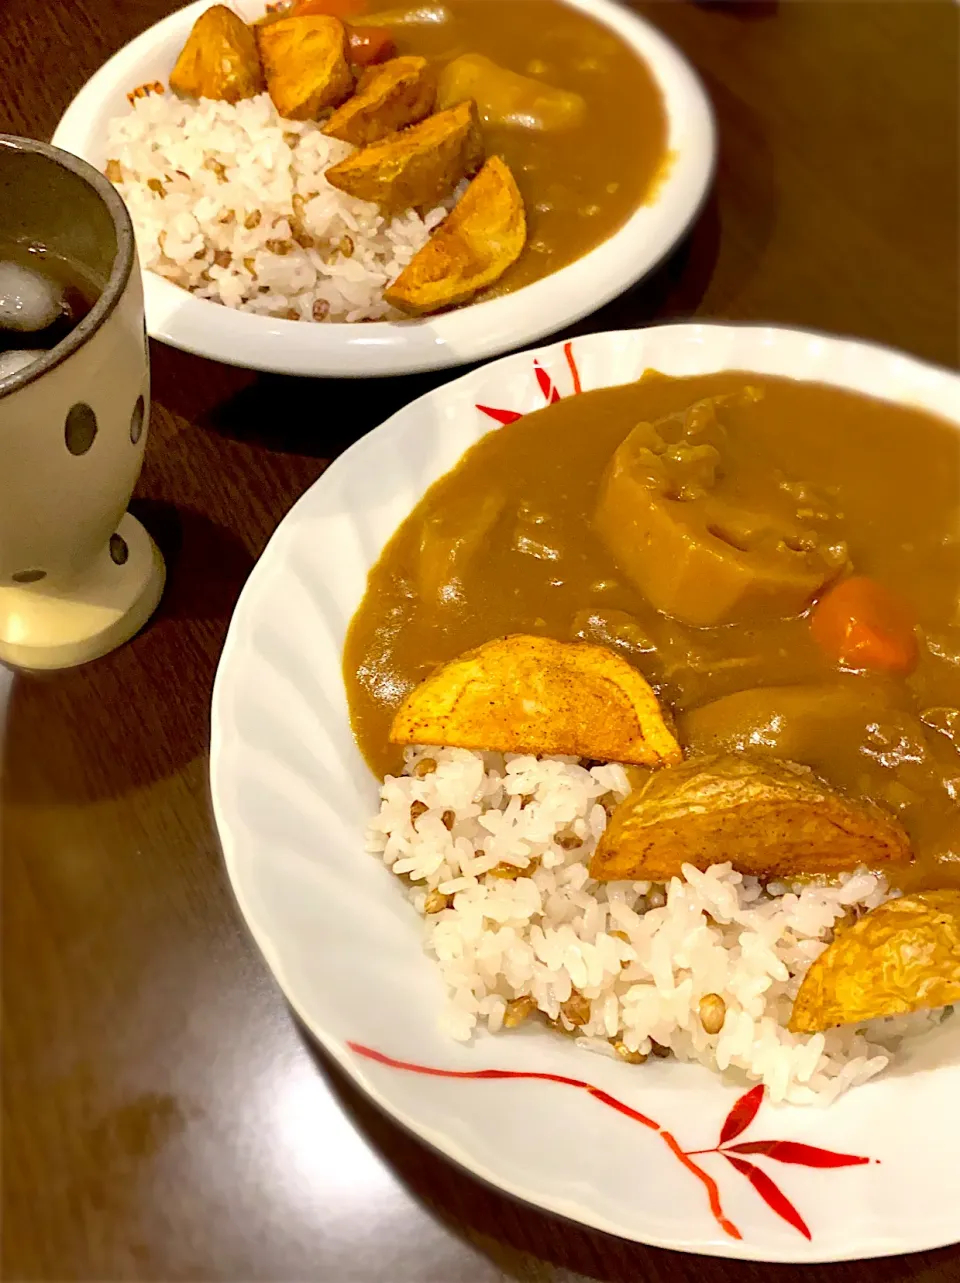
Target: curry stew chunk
{"points": [[902, 956], [219, 60], [473, 247], [767, 818], [507, 99], [417, 167], [533, 695], [703, 550]]}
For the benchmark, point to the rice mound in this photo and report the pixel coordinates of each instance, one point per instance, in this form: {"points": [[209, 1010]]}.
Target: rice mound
{"points": [[642, 954], [230, 202]]}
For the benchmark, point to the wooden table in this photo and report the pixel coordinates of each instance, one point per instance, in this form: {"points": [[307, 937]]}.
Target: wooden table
{"points": [[162, 1117]]}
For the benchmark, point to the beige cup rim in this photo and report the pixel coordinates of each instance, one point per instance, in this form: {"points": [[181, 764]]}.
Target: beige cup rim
{"points": [[119, 273]]}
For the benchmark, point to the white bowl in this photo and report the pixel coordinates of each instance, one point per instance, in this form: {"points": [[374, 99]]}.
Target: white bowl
{"points": [[470, 334], [292, 795]]}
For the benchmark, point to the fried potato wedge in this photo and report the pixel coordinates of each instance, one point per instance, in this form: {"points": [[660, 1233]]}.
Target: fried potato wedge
{"points": [[417, 167], [397, 93], [306, 63], [768, 818], [902, 956], [475, 244], [533, 695], [219, 60]]}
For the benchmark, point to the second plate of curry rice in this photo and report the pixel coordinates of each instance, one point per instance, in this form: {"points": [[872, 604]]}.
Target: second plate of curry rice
{"points": [[586, 754], [460, 177]]}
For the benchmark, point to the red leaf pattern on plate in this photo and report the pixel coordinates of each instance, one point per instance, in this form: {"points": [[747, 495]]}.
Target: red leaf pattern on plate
{"points": [[551, 392], [501, 416], [792, 1151], [574, 372], [770, 1193], [742, 1114], [713, 1192], [738, 1119]]}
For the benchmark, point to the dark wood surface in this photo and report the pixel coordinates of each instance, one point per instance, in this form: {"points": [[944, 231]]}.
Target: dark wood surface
{"points": [[162, 1118]]}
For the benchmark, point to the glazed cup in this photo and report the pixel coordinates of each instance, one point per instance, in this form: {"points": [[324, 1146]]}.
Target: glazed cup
{"points": [[78, 574]]}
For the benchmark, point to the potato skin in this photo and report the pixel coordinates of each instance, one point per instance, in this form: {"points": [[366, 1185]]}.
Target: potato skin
{"points": [[902, 956], [767, 818]]}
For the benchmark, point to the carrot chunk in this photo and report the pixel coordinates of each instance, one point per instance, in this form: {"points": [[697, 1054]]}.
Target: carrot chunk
{"points": [[369, 45], [861, 625]]}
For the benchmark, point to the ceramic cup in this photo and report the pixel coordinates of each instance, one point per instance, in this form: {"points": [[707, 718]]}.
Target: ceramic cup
{"points": [[78, 574]]}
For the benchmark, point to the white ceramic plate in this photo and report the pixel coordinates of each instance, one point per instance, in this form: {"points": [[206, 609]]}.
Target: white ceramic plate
{"points": [[470, 334], [291, 796]]}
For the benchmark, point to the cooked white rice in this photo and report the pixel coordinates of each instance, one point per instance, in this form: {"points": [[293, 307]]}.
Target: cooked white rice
{"points": [[231, 203], [550, 932]]}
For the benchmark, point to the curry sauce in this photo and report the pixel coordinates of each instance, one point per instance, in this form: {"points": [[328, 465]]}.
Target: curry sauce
{"points": [[507, 542]]}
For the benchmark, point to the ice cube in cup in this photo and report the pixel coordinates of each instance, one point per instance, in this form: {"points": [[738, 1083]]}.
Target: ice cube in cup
{"points": [[29, 300], [18, 359]]}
